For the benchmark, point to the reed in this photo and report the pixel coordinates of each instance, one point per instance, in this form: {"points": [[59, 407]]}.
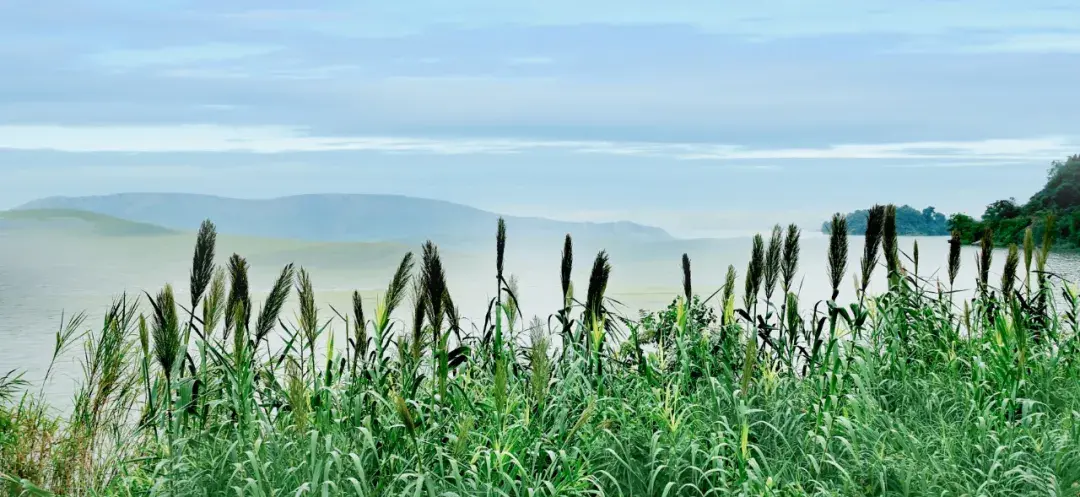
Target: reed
{"points": [[836, 265], [805, 415]]}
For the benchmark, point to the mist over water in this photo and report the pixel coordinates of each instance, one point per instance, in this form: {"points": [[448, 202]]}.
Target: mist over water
{"points": [[44, 276]]}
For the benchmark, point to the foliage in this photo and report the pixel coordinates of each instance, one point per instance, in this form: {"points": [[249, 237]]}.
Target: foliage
{"points": [[902, 393], [1008, 220], [909, 222]]}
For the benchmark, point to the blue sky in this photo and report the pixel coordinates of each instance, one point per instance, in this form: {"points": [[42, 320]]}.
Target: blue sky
{"points": [[703, 117]]}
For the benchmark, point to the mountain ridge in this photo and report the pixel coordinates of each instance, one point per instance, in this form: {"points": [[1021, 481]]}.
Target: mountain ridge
{"points": [[338, 217]]}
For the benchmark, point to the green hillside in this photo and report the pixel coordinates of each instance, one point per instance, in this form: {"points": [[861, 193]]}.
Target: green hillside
{"points": [[1007, 220], [99, 224], [909, 222]]}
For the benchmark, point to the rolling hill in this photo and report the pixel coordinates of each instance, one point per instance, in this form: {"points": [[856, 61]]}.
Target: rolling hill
{"points": [[71, 219], [338, 217]]}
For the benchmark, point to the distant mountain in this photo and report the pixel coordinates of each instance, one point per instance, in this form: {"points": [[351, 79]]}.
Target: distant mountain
{"points": [[334, 217], [909, 222], [69, 219]]}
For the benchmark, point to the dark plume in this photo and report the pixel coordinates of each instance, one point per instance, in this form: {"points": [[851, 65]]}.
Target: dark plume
{"points": [[567, 264], [838, 252], [686, 282], [598, 280], [773, 261], [271, 308], [434, 281], [954, 257], [166, 330], [239, 303], [500, 248], [202, 265], [754, 270], [395, 293], [791, 256], [360, 326], [986, 256], [889, 242], [874, 230], [1008, 274]]}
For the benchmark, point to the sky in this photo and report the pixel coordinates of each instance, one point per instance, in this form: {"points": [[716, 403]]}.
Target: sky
{"points": [[705, 118]]}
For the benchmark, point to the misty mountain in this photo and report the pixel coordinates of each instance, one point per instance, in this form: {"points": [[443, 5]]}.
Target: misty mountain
{"points": [[339, 217]]}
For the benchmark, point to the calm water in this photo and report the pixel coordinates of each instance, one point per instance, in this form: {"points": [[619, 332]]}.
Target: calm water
{"points": [[43, 277]]}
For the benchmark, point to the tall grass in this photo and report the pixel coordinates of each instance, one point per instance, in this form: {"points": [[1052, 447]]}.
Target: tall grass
{"points": [[758, 401]]}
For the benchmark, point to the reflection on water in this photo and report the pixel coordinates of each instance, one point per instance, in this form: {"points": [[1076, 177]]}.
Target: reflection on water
{"points": [[45, 277]]}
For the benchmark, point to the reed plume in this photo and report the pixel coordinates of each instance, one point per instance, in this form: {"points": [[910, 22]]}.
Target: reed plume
{"points": [[1029, 252], [202, 265], [954, 258], [275, 301], [889, 243], [915, 255], [434, 282], [838, 252], [420, 306], [239, 303], [567, 265], [728, 293], [986, 257], [395, 292], [166, 331], [500, 249], [360, 338], [309, 314], [1008, 274], [213, 307], [875, 223], [791, 257], [754, 270], [773, 262], [1047, 245], [598, 281], [686, 283], [539, 362]]}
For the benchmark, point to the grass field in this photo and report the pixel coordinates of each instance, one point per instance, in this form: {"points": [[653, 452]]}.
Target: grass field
{"points": [[912, 390]]}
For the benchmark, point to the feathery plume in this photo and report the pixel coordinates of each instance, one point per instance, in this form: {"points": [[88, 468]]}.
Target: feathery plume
{"points": [[1008, 274], [395, 292], [271, 308], [754, 270], [567, 265], [773, 261], [239, 303], [360, 328], [954, 257], [986, 256], [889, 243], [686, 282], [500, 249], [875, 223], [166, 330], [791, 256], [838, 252], [202, 264], [434, 281]]}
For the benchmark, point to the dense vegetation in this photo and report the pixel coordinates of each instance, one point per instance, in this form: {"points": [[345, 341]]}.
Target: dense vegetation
{"points": [[910, 392], [1057, 205], [909, 222]]}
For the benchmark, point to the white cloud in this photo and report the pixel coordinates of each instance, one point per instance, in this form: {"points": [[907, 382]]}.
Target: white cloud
{"points": [[178, 55], [279, 139], [1032, 43]]}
